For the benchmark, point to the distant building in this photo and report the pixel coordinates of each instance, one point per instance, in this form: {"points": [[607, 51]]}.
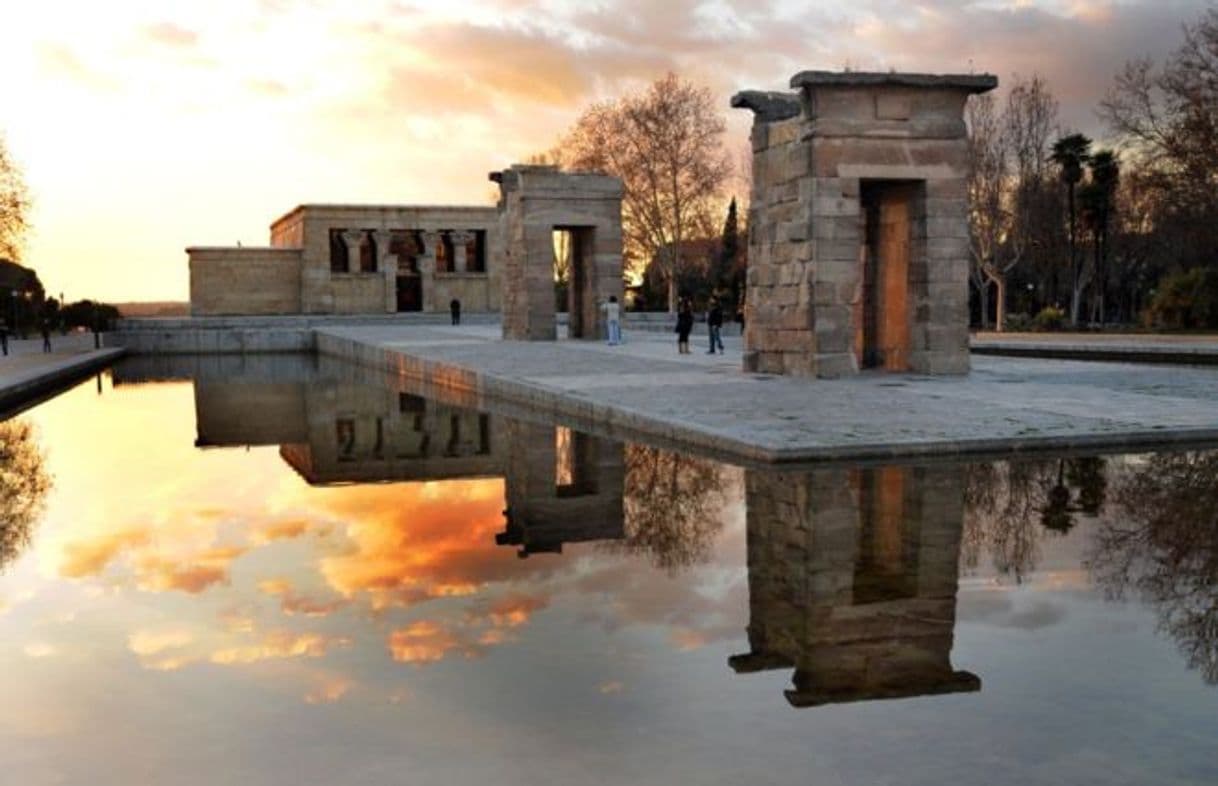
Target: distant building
{"points": [[355, 259]]}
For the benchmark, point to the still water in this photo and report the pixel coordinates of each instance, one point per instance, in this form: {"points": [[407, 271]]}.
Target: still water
{"points": [[270, 571]]}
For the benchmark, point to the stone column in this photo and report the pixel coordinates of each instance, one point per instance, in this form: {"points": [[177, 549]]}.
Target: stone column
{"points": [[353, 238], [387, 263], [427, 270], [460, 241]]}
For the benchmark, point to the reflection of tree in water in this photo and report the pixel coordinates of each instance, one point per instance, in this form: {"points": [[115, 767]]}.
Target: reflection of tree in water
{"points": [[1164, 545], [23, 486], [1008, 505], [672, 504]]}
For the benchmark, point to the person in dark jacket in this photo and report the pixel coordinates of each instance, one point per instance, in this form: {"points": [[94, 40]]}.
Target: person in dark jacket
{"points": [[454, 308], [685, 323], [46, 334], [714, 324]]}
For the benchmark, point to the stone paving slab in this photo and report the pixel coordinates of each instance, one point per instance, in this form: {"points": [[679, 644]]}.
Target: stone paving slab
{"points": [[645, 389], [27, 372]]}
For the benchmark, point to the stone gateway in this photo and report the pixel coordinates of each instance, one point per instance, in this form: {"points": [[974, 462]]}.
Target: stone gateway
{"points": [[858, 228]]}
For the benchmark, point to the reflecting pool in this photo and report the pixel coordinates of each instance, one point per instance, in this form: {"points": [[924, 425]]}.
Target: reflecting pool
{"points": [[280, 571]]}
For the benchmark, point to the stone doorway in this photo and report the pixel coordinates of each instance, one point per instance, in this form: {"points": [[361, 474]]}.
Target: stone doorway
{"points": [[882, 317], [573, 264]]}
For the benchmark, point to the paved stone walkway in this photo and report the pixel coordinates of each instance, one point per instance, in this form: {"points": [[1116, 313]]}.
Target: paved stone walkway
{"points": [[27, 371], [645, 388], [1135, 347]]}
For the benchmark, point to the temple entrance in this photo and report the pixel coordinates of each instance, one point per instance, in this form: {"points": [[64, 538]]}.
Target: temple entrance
{"points": [[573, 280], [410, 292], [882, 314]]}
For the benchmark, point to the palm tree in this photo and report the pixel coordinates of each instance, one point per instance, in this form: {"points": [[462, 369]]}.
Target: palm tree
{"points": [[1071, 153], [1097, 200]]}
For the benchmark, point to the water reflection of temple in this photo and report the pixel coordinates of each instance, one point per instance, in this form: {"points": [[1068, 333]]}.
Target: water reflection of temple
{"points": [[334, 426], [852, 582]]}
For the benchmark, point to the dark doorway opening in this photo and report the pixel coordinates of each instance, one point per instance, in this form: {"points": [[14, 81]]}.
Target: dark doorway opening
{"points": [[410, 292]]}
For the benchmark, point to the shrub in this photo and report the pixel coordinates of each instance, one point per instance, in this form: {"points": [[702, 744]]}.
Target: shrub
{"points": [[1185, 300], [1049, 318], [1017, 323]]}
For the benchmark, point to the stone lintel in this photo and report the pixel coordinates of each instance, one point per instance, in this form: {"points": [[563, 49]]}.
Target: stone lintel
{"points": [[971, 83]]}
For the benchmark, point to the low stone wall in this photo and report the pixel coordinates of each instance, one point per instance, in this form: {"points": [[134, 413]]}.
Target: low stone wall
{"points": [[234, 335], [244, 281]]}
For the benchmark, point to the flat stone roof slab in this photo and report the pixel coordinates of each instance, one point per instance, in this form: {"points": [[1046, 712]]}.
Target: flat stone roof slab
{"points": [[645, 389], [976, 83]]}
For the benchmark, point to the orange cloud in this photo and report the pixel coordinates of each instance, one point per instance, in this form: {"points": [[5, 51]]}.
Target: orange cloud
{"points": [[510, 611], [278, 645], [281, 530], [423, 642], [88, 558], [293, 603], [152, 642], [329, 691], [238, 619], [274, 586], [191, 575]]}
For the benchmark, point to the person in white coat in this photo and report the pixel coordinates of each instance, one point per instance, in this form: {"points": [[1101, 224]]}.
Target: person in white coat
{"points": [[613, 316]]}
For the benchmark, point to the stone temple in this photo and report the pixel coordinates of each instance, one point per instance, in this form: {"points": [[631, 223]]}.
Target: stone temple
{"points": [[858, 238], [858, 228]]}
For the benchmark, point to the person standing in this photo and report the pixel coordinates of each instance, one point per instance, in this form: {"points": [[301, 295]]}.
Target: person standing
{"points": [[45, 325], [454, 308], [613, 316], [685, 323], [714, 324]]}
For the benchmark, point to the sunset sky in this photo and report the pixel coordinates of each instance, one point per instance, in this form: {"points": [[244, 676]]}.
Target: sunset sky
{"points": [[145, 127]]}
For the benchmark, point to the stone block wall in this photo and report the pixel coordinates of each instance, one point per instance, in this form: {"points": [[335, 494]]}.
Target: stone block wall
{"points": [[815, 154], [473, 290], [257, 281], [535, 201], [360, 293]]}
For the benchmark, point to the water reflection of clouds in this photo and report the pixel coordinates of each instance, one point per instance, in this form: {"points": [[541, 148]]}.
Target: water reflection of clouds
{"points": [[254, 569]]}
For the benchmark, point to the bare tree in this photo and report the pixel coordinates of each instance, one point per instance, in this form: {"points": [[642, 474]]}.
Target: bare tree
{"points": [[1167, 120], [666, 144], [14, 206], [1006, 185], [989, 220]]}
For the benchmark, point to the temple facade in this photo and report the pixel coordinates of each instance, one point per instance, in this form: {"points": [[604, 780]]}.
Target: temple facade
{"points": [[356, 259]]}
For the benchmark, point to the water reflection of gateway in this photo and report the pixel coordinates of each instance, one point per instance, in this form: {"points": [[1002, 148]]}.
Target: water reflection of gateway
{"points": [[562, 487], [852, 581]]}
